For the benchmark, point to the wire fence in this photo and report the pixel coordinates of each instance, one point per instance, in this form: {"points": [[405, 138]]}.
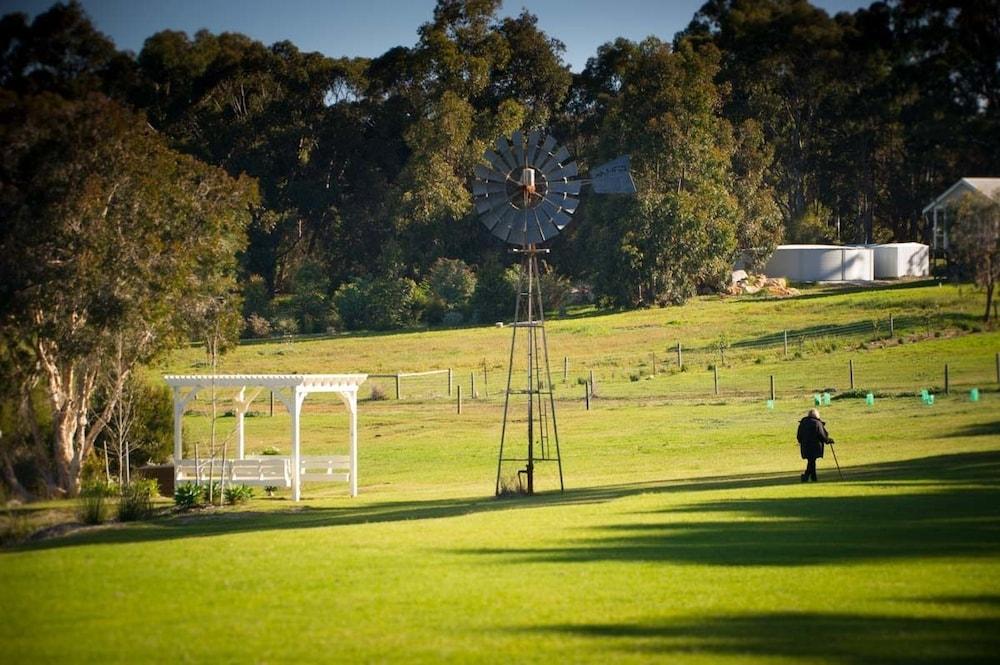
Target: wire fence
{"points": [[750, 368]]}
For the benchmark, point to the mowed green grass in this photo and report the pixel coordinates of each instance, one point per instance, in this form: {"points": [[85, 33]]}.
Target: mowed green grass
{"points": [[684, 533]]}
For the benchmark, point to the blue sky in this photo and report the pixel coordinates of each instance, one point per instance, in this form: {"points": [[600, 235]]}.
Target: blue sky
{"points": [[371, 27]]}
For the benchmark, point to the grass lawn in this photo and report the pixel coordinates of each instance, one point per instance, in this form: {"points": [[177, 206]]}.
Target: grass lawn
{"points": [[684, 534]]}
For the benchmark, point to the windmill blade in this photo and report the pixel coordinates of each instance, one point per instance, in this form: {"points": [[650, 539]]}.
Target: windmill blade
{"points": [[568, 171], [492, 175], [569, 204], [502, 228], [518, 148], [518, 231], [534, 139], [546, 225], [496, 161], [613, 177], [484, 205], [546, 149], [493, 217], [563, 202], [555, 160], [533, 232], [487, 188], [561, 219], [568, 187], [508, 157]]}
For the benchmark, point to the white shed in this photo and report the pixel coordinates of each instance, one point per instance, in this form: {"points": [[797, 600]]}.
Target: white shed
{"points": [[902, 259], [938, 211], [821, 263]]}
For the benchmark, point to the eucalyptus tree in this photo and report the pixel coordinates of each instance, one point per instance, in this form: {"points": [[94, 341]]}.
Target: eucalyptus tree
{"points": [[679, 232], [109, 241]]}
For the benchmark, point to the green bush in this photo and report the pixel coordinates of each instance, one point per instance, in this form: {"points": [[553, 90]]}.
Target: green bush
{"points": [[187, 496], [382, 303], [93, 505], [236, 494], [136, 500], [449, 287], [495, 292]]}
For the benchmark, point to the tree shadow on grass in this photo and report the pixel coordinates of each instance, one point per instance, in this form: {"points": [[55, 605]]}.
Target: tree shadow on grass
{"points": [[956, 513], [932, 507], [832, 637]]}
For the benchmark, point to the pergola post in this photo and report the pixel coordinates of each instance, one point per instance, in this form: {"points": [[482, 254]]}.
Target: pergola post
{"points": [[296, 410], [240, 409], [353, 408], [180, 403], [241, 404]]}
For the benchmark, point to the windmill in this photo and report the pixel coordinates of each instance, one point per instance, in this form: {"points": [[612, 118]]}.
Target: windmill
{"points": [[526, 196]]}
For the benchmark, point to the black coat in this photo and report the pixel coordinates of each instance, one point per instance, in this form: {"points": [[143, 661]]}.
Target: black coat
{"points": [[812, 435]]}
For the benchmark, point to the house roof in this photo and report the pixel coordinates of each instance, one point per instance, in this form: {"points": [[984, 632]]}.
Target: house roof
{"points": [[986, 186]]}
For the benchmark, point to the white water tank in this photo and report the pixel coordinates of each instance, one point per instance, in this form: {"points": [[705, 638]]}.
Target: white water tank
{"points": [[902, 259], [821, 263]]}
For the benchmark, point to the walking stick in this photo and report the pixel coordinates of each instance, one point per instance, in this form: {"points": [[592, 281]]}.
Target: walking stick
{"points": [[835, 461]]}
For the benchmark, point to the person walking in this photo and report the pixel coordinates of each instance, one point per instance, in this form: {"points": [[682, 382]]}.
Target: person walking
{"points": [[812, 436]]}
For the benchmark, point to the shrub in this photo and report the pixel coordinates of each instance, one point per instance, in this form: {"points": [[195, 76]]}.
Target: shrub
{"points": [[453, 319], [211, 492], [308, 303], [258, 326], [270, 450], [17, 526], [378, 393], [496, 290], [93, 505], [187, 496], [634, 376], [449, 286], [510, 487], [236, 494], [556, 290], [379, 304], [136, 501]]}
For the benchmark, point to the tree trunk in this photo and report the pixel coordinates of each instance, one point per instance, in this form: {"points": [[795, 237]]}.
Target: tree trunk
{"points": [[10, 478], [989, 301]]}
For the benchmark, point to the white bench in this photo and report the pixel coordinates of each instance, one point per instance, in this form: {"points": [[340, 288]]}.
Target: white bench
{"points": [[189, 471], [331, 468], [263, 471], [266, 471]]}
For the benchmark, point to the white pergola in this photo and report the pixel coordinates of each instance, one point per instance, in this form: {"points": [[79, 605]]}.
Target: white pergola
{"points": [[291, 389]]}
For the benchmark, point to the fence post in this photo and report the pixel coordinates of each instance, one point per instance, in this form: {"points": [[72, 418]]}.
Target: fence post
{"points": [[486, 383], [998, 368], [772, 387], [565, 368], [460, 400], [680, 358], [946, 378], [586, 395], [472, 385], [892, 326], [850, 363], [715, 373], [449, 382], [399, 393], [786, 343], [593, 386], [653, 356]]}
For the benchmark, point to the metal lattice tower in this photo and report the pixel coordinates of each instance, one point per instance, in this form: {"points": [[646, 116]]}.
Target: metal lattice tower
{"points": [[526, 196], [529, 316]]}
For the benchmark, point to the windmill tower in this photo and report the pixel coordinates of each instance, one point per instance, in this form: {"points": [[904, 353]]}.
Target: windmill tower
{"points": [[526, 196]]}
